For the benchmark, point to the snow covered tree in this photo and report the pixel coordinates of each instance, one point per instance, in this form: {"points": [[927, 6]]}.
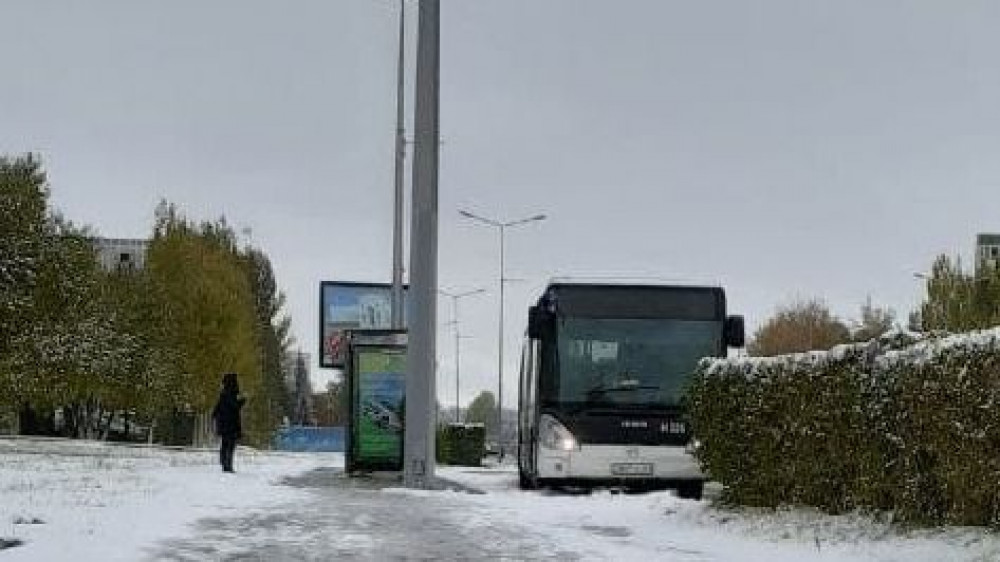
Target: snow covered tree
{"points": [[874, 322], [957, 301], [302, 413], [23, 224], [329, 408], [96, 344], [273, 333], [801, 326], [483, 409], [206, 310]]}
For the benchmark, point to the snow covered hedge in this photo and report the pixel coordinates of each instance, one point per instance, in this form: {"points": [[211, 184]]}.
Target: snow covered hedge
{"points": [[898, 424]]}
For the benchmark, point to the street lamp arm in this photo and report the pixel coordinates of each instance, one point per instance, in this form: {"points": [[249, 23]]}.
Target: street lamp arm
{"points": [[476, 217], [535, 218], [461, 295]]}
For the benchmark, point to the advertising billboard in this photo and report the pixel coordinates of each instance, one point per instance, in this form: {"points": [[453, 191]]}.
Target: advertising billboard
{"points": [[351, 306], [379, 387]]}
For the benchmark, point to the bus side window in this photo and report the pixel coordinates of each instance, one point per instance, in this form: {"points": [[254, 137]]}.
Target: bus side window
{"points": [[547, 371], [526, 380]]}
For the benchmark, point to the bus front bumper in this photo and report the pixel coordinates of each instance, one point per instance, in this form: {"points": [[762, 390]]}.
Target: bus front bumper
{"points": [[615, 463]]}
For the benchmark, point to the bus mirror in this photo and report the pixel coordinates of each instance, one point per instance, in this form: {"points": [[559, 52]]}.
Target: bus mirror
{"points": [[537, 322], [735, 332]]}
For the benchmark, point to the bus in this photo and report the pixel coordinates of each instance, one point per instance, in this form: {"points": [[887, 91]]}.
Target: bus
{"points": [[603, 374]]}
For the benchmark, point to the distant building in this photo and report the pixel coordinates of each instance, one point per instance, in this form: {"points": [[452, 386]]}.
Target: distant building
{"points": [[987, 251], [117, 254], [295, 369], [288, 367]]}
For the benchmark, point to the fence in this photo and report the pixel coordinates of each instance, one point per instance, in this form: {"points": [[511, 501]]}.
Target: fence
{"points": [[310, 439]]}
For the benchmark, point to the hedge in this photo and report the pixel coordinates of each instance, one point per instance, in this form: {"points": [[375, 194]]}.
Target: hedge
{"points": [[461, 444], [902, 424]]}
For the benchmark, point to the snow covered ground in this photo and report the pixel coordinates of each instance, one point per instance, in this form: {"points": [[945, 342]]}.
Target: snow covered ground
{"points": [[660, 526], [85, 501]]}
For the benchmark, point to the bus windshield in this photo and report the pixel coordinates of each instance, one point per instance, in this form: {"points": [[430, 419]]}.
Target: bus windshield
{"points": [[630, 362]]}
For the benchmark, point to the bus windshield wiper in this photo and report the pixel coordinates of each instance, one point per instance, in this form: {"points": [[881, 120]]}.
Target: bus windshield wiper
{"points": [[602, 389]]}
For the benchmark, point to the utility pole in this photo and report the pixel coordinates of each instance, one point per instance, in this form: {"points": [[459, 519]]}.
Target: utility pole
{"points": [[400, 156], [455, 297], [418, 449], [501, 227], [503, 281]]}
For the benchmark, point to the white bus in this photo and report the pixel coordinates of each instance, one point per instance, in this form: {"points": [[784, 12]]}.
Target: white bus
{"points": [[603, 375]]}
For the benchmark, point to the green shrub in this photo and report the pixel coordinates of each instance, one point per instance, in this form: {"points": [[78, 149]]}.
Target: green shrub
{"points": [[888, 425], [461, 444]]}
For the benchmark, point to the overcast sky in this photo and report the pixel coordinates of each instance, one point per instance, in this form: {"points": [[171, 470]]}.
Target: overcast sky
{"points": [[782, 148]]}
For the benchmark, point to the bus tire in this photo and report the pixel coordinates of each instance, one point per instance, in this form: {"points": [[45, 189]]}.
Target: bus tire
{"points": [[690, 490], [526, 482]]}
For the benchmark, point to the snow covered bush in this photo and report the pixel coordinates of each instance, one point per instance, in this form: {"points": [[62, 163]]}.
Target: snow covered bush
{"points": [[461, 444], [943, 423], [896, 424], [786, 430]]}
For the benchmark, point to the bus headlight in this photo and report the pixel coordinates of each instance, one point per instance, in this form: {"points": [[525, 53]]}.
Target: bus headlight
{"points": [[553, 435]]}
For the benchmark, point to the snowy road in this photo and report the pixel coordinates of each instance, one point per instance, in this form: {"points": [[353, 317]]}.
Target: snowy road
{"points": [[93, 502], [348, 520]]}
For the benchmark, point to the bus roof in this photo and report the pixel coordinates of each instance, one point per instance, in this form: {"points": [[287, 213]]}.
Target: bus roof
{"points": [[631, 281], [612, 300]]}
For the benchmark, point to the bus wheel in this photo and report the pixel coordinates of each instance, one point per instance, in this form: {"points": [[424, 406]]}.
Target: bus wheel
{"points": [[690, 490], [526, 482]]}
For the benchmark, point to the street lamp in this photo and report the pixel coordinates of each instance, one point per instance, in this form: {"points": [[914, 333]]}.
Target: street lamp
{"points": [[399, 156], [918, 315], [455, 297], [501, 227]]}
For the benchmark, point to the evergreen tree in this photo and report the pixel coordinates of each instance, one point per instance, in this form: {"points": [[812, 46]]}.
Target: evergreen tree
{"points": [[958, 301], [273, 329], [874, 322], [303, 393]]}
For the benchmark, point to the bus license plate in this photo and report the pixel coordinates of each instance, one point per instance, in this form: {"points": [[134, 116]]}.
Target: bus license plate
{"points": [[632, 469]]}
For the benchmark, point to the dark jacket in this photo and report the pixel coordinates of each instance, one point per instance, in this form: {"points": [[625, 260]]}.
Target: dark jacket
{"points": [[227, 413]]}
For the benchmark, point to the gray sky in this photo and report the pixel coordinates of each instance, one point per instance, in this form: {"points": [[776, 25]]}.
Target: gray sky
{"points": [[784, 149]]}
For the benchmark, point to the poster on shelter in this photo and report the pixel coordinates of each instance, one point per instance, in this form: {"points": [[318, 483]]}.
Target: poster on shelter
{"points": [[351, 306], [380, 384]]}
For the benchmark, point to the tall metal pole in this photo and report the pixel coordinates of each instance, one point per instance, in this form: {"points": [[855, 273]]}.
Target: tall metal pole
{"points": [[458, 361], [502, 228], [500, 353], [418, 450], [400, 156], [455, 298]]}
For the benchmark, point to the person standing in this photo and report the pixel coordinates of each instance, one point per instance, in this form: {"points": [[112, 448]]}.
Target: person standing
{"points": [[226, 415]]}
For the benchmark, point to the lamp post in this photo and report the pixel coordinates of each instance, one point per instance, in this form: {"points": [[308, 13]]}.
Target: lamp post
{"points": [[455, 297], [399, 157], [501, 227], [917, 315]]}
